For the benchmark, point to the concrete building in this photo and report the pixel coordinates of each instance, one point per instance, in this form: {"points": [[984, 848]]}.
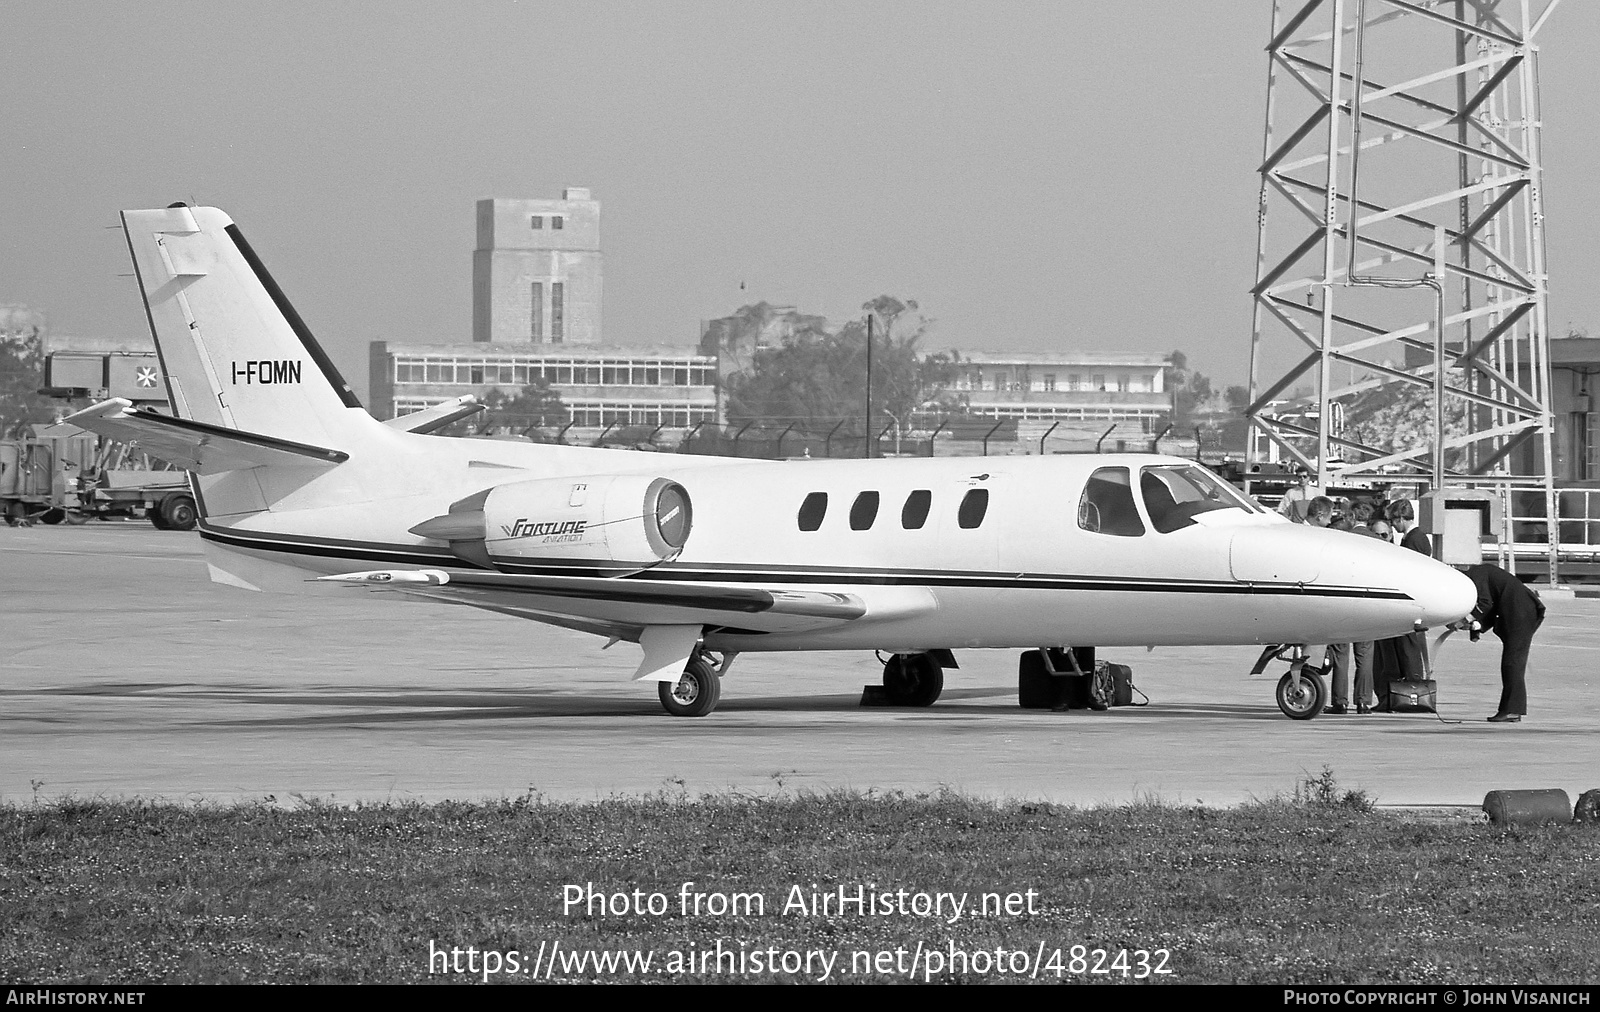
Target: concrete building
{"points": [[670, 387], [1064, 386], [537, 270]]}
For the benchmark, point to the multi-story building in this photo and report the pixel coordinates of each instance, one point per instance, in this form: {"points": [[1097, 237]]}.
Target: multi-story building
{"points": [[1064, 386], [670, 387], [536, 271], [536, 297]]}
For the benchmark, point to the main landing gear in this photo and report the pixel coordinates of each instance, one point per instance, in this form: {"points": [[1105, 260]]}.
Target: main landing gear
{"points": [[1302, 693], [698, 690], [912, 679]]}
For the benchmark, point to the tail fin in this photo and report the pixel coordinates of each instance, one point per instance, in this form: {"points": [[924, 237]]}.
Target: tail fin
{"points": [[234, 351]]}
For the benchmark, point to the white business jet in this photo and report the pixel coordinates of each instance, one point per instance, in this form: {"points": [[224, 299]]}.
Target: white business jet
{"points": [[697, 559]]}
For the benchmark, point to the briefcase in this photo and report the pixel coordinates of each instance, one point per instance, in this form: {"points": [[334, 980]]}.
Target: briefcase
{"points": [[1420, 695]]}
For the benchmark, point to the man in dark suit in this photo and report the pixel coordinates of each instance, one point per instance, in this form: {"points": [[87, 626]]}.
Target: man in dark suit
{"points": [[1409, 651], [1513, 613]]}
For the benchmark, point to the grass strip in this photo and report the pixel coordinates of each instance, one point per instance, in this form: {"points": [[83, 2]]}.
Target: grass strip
{"points": [[1315, 888]]}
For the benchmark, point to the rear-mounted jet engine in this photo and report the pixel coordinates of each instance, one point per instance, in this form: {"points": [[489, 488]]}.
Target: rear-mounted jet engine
{"points": [[631, 520]]}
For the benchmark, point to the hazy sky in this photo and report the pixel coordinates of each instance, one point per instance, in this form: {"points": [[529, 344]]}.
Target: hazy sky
{"points": [[1037, 174]]}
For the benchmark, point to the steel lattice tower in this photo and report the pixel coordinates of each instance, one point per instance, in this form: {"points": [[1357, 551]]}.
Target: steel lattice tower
{"points": [[1413, 127]]}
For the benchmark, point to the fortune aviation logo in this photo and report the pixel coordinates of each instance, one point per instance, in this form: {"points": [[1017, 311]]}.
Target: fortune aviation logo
{"points": [[145, 376]]}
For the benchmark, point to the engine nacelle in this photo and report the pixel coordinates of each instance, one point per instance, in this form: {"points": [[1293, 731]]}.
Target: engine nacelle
{"points": [[635, 519]]}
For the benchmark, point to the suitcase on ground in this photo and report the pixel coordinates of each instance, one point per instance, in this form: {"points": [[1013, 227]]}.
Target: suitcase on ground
{"points": [[1419, 695], [1121, 684]]}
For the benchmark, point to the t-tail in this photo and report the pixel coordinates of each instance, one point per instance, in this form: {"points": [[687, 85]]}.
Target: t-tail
{"points": [[259, 412], [234, 351]]}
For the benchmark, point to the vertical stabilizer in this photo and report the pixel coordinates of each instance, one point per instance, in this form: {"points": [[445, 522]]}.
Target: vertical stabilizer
{"points": [[234, 350]]}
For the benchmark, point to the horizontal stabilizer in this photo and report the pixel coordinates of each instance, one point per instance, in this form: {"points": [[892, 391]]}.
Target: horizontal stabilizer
{"points": [[197, 446], [437, 417]]}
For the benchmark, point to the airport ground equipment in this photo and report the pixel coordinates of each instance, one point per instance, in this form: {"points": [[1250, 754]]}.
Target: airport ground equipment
{"points": [[1403, 151], [56, 475]]}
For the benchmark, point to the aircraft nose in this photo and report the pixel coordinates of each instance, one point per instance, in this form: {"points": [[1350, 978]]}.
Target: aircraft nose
{"points": [[1443, 593]]}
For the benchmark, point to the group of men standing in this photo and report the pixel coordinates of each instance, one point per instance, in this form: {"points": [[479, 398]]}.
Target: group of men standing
{"points": [[1505, 606]]}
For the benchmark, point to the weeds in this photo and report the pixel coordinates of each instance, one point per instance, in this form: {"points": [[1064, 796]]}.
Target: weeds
{"points": [[1313, 888], [1321, 790]]}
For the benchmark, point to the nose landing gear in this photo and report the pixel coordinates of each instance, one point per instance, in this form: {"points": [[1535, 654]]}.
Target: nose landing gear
{"points": [[1302, 693]]}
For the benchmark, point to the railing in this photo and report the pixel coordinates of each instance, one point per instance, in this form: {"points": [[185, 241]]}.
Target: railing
{"points": [[1577, 527]]}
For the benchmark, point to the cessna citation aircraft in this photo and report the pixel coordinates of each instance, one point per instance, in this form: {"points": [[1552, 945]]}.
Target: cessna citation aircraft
{"points": [[697, 559]]}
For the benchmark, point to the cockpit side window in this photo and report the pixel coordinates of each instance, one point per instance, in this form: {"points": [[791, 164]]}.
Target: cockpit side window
{"points": [[1174, 495], [1107, 505]]}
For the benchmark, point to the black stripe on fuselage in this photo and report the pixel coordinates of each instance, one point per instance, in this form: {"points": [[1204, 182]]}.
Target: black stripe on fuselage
{"points": [[423, 555]]}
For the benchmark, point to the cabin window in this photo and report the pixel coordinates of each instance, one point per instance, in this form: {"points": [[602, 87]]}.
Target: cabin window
{"points": [[915, 512], [973, 506], [1107, 504], [863, 511], [813, 510]]}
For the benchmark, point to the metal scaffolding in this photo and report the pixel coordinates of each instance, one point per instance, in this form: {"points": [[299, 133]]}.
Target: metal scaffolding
{"points": [[1402, 151]]}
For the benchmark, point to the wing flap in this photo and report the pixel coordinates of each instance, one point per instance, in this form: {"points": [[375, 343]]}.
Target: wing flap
{"points": [[628, 601], [197, 446]]}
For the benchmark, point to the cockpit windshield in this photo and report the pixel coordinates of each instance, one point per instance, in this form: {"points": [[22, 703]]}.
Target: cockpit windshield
{"points": [[1174, 494]]}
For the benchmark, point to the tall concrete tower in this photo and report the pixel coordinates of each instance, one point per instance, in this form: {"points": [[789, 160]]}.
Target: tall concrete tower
{"points": [[536, 272]]}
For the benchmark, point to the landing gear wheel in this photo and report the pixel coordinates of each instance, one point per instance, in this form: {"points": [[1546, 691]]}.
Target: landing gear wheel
{"points": [[1308, 701], [912, 679], [695, 693], [179, 512]]}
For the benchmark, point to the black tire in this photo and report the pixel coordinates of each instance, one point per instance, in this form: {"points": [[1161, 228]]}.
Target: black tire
{"points": [[159, 522], [179, 513], [52, 516], [696, 692], [913, 680], [1309, 701]]}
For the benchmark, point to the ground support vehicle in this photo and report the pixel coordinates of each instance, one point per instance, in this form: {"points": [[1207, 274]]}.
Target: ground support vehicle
{"points": [[51, 477]]}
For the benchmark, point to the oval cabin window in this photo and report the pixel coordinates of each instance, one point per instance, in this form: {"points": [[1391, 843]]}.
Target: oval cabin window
{"points": [[915, 512], [973, 506], [813, 510], [864, 511]]}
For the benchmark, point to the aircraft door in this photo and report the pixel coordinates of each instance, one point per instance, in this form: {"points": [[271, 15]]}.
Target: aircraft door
{"points": [[970, 520]]}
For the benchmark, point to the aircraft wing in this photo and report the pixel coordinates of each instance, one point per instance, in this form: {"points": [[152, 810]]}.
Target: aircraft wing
{"points": [[196, 446], [665, 616], [630, 601]]}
